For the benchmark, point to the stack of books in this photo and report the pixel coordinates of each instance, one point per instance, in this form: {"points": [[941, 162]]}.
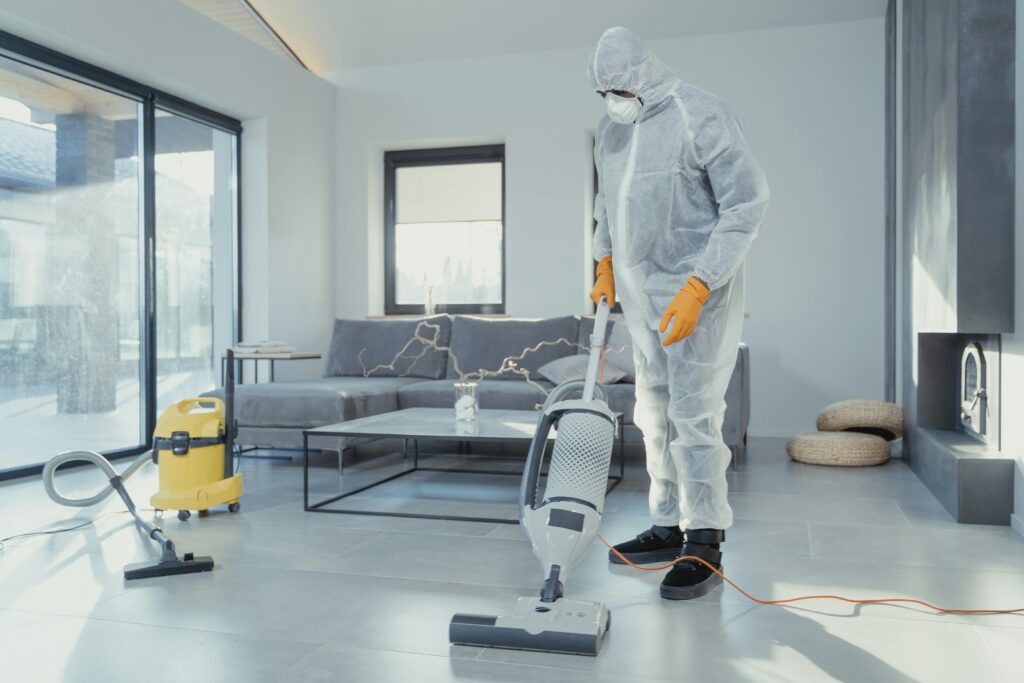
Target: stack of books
{"points": [[264, 347]]}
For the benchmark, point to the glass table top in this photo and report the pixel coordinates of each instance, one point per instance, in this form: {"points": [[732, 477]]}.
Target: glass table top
{"points": [[438, 423]]}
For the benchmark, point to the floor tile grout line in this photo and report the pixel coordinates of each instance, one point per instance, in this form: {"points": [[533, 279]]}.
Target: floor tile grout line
{"points": [[903, 514], [281, 677], [358, 528], [925, 496], [192, 629], [475, 658], [988, 648], [374, 537], [986, 529]]}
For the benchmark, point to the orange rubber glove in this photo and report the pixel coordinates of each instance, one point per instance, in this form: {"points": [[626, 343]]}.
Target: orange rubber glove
{"points": [[604, 284], [685, 308]]}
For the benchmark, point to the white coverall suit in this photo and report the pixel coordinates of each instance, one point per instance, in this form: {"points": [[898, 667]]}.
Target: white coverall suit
{"points": [[680, 194]]}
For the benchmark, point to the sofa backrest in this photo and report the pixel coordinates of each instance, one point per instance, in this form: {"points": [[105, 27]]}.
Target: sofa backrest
{"points": [[484, 343], [380, 341]]}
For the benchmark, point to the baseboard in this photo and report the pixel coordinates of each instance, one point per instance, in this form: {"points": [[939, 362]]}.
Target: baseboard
{"points": [[777, 433], [1017, 524]]}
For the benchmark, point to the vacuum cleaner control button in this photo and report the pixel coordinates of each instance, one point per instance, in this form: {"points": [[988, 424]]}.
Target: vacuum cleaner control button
{"points": [[179, 443]]}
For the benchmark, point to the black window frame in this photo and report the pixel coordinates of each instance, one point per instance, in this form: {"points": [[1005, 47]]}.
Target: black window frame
{"points": [[41, 57], [443, 156]]}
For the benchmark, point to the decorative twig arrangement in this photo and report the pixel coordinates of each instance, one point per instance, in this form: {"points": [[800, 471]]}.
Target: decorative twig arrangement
{"points": [[509, 364]]}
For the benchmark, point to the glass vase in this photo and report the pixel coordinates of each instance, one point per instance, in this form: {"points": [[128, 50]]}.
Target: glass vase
{"points": [[466, 405]]}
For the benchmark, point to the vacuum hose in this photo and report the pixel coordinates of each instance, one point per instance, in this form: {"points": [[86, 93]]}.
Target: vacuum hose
{"points": [[116, 484], [50, 471]]}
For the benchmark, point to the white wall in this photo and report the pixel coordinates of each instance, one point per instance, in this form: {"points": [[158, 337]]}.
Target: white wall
{"points": [[1012, 361], [812, 99], [287, 142]]}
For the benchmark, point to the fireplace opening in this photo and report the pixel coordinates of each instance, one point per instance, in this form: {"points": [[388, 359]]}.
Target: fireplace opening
{"points": [[973, 391]]}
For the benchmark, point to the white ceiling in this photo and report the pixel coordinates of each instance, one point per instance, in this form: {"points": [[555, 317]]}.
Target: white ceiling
{"points": [[332, 35]]}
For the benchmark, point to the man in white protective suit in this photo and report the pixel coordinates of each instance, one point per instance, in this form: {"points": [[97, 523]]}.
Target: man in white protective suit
{"points": [[680, 200]]}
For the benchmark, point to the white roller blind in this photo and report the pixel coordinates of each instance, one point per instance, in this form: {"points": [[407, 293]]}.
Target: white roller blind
{"points": [[449, 193]]}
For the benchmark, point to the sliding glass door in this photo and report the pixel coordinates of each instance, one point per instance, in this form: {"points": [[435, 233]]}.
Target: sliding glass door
{"points": [[118, 226], [70, 263], [195, 224]]}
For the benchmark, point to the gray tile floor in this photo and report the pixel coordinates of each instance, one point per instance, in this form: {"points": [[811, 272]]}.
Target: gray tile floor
{"points": [[319, 597]]}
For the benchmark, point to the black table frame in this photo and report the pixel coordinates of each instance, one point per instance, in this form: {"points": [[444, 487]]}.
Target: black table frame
{"points": [[239, 376], [321, 505], [240, 363]]}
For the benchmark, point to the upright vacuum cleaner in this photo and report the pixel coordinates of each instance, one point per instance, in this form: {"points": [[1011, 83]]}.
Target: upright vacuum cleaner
{"points": [[561, 523], [193, 447]]}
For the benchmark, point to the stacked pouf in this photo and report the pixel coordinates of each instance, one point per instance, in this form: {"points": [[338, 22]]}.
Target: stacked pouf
{"points": [[850, 434]]}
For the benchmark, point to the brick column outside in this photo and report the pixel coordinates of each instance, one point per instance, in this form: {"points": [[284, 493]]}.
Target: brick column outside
{"points": [[84, 268]]}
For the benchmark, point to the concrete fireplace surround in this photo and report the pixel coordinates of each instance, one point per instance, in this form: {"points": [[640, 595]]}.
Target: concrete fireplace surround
{"points": [[971, 477], [956, 238]]}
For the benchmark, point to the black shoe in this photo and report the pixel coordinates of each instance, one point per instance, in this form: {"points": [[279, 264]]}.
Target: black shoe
{"points": [[657, 544], [691, 579]]}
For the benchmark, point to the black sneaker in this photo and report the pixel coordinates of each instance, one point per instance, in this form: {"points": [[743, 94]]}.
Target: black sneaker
{"points": [[657, 544], [691, 579]]}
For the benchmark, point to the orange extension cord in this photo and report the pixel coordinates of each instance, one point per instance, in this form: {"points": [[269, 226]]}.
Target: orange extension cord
{"points": [[875, 601]]}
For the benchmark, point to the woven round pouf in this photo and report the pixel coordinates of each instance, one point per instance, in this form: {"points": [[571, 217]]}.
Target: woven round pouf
{"points": [[839, 449], [880, 418]]}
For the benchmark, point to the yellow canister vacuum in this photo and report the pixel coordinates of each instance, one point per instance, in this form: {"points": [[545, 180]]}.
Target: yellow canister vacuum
{"points": [[193, 447]]}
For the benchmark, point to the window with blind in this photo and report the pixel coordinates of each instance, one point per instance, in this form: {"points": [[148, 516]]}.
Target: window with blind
{"points": [[444, 230]]}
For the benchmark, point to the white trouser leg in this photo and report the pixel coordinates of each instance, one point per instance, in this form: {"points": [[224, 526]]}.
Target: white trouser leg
{"points": [[699, 370], [680, 407], [651, 416]]}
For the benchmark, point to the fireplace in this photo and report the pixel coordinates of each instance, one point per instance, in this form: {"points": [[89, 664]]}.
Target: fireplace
{"points": [[956, 449], [973, 391]]}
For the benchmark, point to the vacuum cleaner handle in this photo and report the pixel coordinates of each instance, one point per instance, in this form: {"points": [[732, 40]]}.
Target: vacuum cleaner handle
{"points": [[596, 347], [229, 417], [535, 461]]}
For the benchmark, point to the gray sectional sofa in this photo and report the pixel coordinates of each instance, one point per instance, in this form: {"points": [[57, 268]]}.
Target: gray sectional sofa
{"points": [[274, 414]]}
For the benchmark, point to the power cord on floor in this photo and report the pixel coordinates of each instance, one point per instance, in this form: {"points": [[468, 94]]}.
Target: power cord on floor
{"points": [[783, 601], [47, 532]]}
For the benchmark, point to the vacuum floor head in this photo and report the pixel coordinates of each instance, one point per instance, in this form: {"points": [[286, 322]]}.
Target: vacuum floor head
{"points": [[565, 626], [187, 564]]}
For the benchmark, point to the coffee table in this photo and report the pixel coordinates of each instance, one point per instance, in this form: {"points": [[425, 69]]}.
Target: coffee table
{"points": [[436, 424]]}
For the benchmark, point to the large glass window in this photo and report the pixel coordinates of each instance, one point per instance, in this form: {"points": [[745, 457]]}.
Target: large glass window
{"points": [[195, 219], [117, 282], [445, 230], [70, 296]]}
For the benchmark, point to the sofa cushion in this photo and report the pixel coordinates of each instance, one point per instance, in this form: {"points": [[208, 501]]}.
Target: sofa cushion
{"points": [[491, 393], [313, 403], [618, 345], [575, 367], [381, 340], [484, 343]]}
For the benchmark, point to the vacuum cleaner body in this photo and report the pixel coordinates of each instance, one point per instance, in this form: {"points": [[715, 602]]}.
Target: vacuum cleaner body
{"points": [[193, 446], [560, 523], [189, 447]]}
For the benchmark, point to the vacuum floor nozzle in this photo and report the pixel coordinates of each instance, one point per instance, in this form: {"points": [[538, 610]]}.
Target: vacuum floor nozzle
{"points": [[188, 564], [565, 626]]}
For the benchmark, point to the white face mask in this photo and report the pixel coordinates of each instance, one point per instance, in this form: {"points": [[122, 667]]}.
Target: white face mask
{"points": [[623, 109]]}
